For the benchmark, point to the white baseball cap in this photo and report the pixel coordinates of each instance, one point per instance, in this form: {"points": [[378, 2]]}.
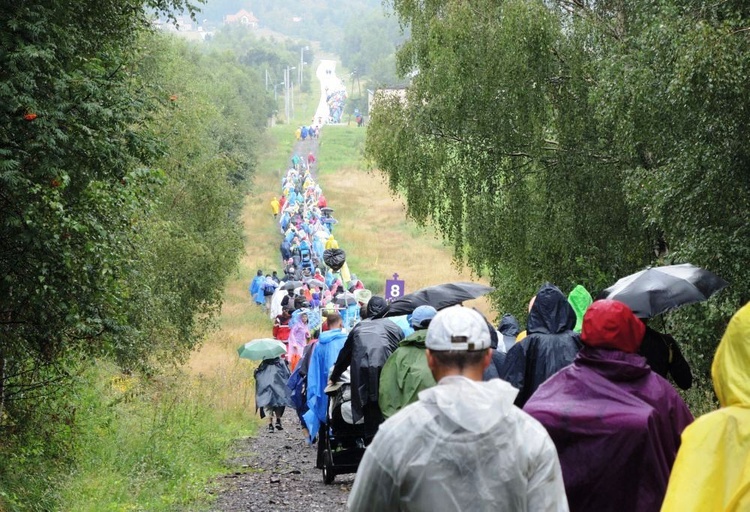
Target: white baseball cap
{"points": [[458, 328]]}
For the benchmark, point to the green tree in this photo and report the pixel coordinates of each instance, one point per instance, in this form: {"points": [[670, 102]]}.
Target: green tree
{"points": [[369, 47], [124, 159], [567, 140]]}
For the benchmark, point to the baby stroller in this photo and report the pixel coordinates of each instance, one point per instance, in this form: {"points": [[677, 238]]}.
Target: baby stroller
{"points": [[341, 441]]}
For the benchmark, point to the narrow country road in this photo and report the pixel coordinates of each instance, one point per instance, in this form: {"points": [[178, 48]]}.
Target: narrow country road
{"points": [[276, 471], [278, 474]]}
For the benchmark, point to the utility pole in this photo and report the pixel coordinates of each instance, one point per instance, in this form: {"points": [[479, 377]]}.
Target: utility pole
{"points": [[301, 64], [287, 92]]}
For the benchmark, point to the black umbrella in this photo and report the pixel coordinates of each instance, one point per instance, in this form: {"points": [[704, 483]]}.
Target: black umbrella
{"points": [[439, 296], [656, 290], [291, 285], [345, 299]]}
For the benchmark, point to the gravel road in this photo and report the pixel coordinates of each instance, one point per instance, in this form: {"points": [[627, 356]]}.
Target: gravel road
{"points": [[276, 472]]}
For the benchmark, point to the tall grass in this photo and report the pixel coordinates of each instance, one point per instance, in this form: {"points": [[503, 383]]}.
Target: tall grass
{"points": [[149, 444], [341, 147]]}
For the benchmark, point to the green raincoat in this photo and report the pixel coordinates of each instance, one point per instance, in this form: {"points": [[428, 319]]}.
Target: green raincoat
{"points": [[580, 299], [404, 375]]}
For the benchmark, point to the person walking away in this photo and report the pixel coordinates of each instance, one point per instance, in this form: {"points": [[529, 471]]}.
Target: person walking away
{"points": [[281, 325], [665, 357], [299, 335], [580, 299], [310, 158], [712, 471], [271, 393], [298, 385], [550, 344], [256, 284], [275, 207], [323, 357], [509, 329], [260, 295], [366, 350], [288, 301], [463, 446], [269, 287], [406, 373], [616, 424]]}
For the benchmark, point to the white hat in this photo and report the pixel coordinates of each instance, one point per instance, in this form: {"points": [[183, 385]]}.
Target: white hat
{"points": [[458, 328]]}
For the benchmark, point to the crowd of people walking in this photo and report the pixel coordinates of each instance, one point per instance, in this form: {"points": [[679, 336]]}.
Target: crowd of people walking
{"points": [[452, 413]]}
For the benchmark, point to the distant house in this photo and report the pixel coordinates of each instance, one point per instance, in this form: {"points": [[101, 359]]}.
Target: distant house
{"points": [[241, 18]]}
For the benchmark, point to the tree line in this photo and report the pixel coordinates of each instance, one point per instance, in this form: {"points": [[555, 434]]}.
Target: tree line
{"points": [[577, 142], [125, 157]]}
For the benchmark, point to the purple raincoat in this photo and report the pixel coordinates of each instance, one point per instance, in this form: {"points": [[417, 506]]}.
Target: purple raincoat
{"points": [[616, 425]]}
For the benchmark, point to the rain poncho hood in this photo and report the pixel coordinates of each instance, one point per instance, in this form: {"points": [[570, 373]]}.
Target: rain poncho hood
{"points": [[730, 370], [462, 446], [616, 425], [405, 374], [712, 470], [611, 324], [509, 328], [551, 343], [375, 305], [551, 312], [580, 299]]}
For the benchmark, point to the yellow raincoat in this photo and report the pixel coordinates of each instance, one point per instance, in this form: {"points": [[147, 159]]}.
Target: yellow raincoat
{"points": [[712, 470], [346, 276], [331, 243], [275, 206]]}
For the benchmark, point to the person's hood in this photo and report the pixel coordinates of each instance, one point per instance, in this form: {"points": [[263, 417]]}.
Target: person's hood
{"points": [[478, 407], [375, 306], [509, 325], [611, 324], [731, 367], [551, 312], [415, 339], [580, 299], [327, 336]]}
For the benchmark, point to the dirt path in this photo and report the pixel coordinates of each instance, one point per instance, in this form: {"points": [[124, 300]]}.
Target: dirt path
{"points": [[277, 473]]}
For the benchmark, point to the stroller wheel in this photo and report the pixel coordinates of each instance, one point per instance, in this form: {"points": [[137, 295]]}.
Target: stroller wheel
{"points": [[328, 472]]}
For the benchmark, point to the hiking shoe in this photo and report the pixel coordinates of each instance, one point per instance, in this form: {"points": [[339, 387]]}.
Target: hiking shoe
{"points": [[278, 425], [270, 428]]}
